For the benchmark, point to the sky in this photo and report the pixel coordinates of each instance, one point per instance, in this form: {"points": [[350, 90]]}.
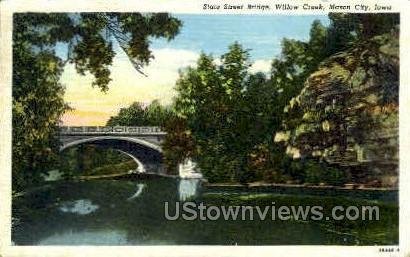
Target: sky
{"points": [[211, 34]]}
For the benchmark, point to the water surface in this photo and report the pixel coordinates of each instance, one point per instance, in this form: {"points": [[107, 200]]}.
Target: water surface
{"points": [[110, 212]]}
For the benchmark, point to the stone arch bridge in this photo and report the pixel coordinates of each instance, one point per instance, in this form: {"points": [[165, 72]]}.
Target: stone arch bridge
{"points": [[143, 144]]}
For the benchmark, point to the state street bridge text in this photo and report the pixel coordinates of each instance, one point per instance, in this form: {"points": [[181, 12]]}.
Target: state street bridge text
{"points": [[293, 7]]}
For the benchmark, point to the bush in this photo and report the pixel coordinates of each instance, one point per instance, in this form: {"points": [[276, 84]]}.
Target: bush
{"points": [[335, 176], [317, 173], [297, 170], [314, 172]]}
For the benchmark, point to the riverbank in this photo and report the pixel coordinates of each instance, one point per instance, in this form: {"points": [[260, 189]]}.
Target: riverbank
{"points": [[262, 184], [377, 194], [126, 175]]}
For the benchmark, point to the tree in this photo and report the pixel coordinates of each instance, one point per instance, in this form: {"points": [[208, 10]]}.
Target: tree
{"points": [[137, 115], [228, 113], [157, 114], [178, 145], [347, 29], [134, 115], [37, 94]]}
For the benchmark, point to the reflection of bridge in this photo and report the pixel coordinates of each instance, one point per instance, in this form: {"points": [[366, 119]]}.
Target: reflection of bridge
{"points": [[141, 143]]}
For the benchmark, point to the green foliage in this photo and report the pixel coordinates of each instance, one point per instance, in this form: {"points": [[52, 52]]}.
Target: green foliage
{"points": [[134, 115], [317, 173], [37, 106], [229, 112], [37, 94], [346, 29], [233, 114], [223, 117], [122, 167], [137, 115], [178, 144], [90, 37], [335, 176], [92, 160], [314, 172], [297, 61]]}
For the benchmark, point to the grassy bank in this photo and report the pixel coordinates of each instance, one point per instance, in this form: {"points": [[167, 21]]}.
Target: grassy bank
{"points": [[364, 232]]}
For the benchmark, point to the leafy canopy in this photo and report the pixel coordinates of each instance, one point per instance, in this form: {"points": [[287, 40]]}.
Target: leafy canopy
{"points": [[88, 39]]}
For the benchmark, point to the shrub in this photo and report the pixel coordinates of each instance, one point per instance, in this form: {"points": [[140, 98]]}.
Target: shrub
{"points": [[317, 173], [314, 172], [335, 176]]}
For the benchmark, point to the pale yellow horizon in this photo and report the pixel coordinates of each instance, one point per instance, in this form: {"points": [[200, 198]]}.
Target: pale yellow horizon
{"points": [[93, 107]]}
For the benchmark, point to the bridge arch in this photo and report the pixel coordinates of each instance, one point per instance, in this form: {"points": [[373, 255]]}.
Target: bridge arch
{"points": [[100, 138], [141, 168], [146, 154]]}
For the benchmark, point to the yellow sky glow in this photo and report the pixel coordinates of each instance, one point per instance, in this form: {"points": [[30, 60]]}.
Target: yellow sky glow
{"points": [[93, 107]]}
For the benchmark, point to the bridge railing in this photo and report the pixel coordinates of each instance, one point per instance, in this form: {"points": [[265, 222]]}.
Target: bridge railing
{"points": [[110, 130]]}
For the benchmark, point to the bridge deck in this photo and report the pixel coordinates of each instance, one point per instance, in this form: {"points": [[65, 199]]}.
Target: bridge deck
{"points": [[117, 130]]}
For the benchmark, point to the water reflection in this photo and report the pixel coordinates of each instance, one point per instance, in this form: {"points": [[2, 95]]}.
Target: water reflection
{"points": [[187, 188], [82, 207], [70, 237], [140, 188], [52, 175]]}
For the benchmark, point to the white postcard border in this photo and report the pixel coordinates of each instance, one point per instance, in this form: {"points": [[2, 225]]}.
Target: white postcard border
{"points": [[7, 8]]}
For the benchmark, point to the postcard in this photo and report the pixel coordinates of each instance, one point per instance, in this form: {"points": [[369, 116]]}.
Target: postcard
{"points": [[204, 128]]}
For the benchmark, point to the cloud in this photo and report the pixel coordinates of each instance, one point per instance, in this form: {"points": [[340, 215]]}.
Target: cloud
{"points": [[172, 59], [261, 66], [257, 65]]}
